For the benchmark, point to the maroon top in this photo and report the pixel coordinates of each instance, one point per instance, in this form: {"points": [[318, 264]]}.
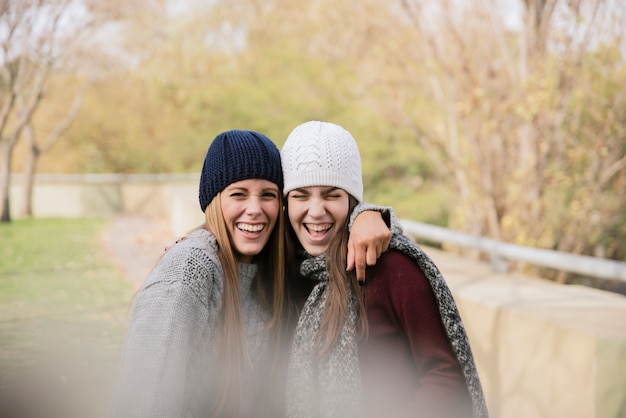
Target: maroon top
{"points": [[407, 364]]}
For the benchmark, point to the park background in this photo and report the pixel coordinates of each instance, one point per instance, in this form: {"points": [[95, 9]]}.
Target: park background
{"points": [[504, 119]]}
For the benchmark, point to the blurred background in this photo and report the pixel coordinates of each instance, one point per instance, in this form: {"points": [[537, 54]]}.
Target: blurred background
{"points": [[503, 119]]}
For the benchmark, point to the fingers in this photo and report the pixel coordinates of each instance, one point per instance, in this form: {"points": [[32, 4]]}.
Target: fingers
{"points": [[363, 254], [372, 253], [350, 261], [369, 237], [358, 258], [359, 264], [385, 244]]}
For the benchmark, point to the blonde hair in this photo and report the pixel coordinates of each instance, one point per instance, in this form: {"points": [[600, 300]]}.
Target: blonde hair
{"points": [[232, 344]]}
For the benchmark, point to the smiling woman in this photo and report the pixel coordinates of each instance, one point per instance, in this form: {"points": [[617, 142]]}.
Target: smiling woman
{"points": [[395, 346], [203, 323]]}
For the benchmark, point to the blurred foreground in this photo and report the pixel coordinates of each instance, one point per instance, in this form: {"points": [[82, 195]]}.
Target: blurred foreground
{"points": [[65, 290], [66, 286]]}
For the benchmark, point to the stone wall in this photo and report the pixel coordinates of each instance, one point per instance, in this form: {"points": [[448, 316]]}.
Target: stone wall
{"points": [[174, 197]]}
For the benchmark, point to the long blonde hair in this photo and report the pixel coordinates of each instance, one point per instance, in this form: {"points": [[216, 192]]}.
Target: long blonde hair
{"points": [[232, 346]]}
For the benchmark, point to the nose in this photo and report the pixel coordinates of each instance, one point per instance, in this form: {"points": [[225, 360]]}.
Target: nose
{"points": [[253, 206], [317, 208]]}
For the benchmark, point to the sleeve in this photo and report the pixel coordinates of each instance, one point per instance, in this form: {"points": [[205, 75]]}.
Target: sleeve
{"points": [[441, 390], [167, 321], [387, 212]]}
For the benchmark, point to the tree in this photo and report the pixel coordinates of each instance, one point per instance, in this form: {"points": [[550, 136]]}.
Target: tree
{"points": [[35, 149], [514, 113], [28, 46], [37, 39], [20, 83]]}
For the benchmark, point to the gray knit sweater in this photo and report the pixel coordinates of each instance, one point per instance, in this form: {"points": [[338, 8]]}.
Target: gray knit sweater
{"points": [[168, 359]]}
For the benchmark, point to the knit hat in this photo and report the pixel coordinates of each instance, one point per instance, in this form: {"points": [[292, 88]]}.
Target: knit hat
{"points": [[322, 154], [238, 155]]}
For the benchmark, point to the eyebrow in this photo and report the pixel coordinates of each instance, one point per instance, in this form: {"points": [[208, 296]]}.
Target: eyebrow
{"points": [[304, 190], [245, 189]]}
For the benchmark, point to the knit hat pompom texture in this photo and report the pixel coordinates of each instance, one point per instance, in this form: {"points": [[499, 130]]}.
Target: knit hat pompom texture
{"points": [[322, 154], [238, 155]]}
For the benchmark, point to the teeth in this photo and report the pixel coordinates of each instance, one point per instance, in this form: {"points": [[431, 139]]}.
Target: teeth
{"points": [[319, 227], [250, 228]]}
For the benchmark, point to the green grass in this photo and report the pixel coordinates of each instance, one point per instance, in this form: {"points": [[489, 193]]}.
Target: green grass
{"points": [[63, 311]]}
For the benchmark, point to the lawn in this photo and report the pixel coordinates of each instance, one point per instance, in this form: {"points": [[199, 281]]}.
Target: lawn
{"points": [[63, 309]]}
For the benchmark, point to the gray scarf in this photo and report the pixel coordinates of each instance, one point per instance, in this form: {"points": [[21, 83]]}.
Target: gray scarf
{"points": [[450, 317], [331, 386], [327, 386]]}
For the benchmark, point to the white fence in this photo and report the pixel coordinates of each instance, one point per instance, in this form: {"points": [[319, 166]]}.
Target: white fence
{"points": [[499, 251]]}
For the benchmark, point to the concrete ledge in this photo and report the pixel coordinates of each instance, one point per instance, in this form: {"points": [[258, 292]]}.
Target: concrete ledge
{"points": [[542, 349], [174, 197]]}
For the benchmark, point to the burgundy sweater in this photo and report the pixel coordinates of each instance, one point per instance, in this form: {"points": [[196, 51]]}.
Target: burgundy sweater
{"points": [[408, 367]]}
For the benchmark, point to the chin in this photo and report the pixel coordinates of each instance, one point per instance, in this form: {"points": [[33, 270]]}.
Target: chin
{"points": [[314, 251]]}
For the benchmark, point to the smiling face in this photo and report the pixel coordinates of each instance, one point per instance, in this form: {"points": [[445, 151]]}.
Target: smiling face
{"points": [[250, 209], [316, 214]]}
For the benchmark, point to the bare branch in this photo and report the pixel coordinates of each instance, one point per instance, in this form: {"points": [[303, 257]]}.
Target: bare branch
{"points": [[54, 136]]}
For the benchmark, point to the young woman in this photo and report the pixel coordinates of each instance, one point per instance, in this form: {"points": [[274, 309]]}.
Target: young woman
{"points": [[198, 339], [206, 323], [395, 347]]}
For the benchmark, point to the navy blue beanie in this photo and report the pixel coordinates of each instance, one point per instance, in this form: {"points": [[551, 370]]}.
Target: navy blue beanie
{"points": [[238, 155]]}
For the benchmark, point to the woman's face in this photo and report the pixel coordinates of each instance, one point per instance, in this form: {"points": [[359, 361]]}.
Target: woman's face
{"points": [[316, 215], [250, 209]]}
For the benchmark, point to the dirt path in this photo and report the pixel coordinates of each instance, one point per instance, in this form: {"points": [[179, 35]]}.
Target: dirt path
{"points": [[135, 243]]}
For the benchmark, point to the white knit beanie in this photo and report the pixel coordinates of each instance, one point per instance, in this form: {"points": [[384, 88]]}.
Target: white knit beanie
{"points": [[322, 154]]}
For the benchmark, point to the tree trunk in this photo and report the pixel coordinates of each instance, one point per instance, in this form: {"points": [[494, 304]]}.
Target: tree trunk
{"points": [[35, 151], [30, 163], [6, 149]]}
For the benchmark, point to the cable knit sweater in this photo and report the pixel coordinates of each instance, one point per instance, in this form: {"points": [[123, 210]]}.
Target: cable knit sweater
{"points": [[168, 357]]}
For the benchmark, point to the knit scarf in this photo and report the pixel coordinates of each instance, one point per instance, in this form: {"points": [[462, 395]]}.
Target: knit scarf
{"points": [[450, 317], [326, 386], [331, 385]]}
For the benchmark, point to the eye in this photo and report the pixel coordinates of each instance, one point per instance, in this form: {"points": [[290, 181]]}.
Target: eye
{"points": [[237, 195], [269, 196], [334, 195]]}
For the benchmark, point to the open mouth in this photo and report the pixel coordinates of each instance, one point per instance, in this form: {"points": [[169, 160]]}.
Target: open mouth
{"points": [[318, 229], [253, 228]]}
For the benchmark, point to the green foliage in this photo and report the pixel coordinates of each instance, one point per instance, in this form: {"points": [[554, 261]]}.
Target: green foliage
{"points": [[428, 203], [529, 141], [63, 310]]}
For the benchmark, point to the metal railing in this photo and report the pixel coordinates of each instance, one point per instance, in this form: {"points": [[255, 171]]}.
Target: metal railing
{"points": [[500, 251]]}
